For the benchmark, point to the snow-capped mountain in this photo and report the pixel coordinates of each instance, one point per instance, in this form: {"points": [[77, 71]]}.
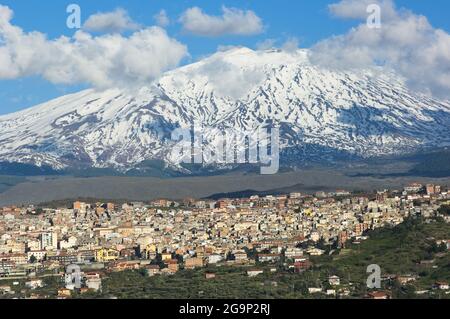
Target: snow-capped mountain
{"points": [[319, 112]]}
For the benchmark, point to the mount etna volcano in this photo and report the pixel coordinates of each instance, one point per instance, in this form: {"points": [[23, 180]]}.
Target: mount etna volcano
{"points": [[323, 114]]}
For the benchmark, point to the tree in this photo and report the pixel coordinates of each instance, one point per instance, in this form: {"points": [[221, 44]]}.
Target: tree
{"points": [[33, 259], [444, 210]]}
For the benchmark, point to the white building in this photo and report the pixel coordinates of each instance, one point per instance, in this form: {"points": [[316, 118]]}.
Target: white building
{"points": [[49, 241], [214, 259], [94, 284], [34, 284], [38, 254], [334, 280], [69, 243]]}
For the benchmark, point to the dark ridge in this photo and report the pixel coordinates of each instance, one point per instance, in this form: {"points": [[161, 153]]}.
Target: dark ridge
{"points": [[21, 169]]}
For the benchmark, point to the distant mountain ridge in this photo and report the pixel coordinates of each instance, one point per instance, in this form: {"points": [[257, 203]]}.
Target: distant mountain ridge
{"points": [[324, 115]]}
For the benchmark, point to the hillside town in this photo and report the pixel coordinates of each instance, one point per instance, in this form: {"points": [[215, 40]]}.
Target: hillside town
{"points": [[162, 237]]}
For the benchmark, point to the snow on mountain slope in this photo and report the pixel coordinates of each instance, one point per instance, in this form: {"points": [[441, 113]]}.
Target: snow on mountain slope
{"points": [[365, 114]]}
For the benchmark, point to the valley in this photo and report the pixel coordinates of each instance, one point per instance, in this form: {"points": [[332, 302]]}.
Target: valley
{"points": [[38, 189]]}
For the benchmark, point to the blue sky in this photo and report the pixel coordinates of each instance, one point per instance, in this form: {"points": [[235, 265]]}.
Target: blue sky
{"points": [[307, 20]]}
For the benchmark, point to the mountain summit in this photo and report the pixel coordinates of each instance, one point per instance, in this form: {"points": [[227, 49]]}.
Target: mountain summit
{"points": [[321, 113]]}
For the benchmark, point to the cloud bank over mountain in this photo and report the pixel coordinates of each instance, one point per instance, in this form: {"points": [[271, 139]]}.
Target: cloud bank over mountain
{"points": [[125, 54], [405, 42]]}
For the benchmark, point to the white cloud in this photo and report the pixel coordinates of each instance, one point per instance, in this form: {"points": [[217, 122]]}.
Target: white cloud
{"points": [[291, 44], [224, 48], [406, 43], [162, 19], [357, 9], [230, 80], [105, 61], [266, 44], [111, 22], [232, 22]]}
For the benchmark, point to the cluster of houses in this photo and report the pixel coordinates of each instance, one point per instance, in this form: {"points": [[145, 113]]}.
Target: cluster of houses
{"points": [[163, 236]]}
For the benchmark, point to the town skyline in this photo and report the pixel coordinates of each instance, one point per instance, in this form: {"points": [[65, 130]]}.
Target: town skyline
{"points": [[279, 234]]}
